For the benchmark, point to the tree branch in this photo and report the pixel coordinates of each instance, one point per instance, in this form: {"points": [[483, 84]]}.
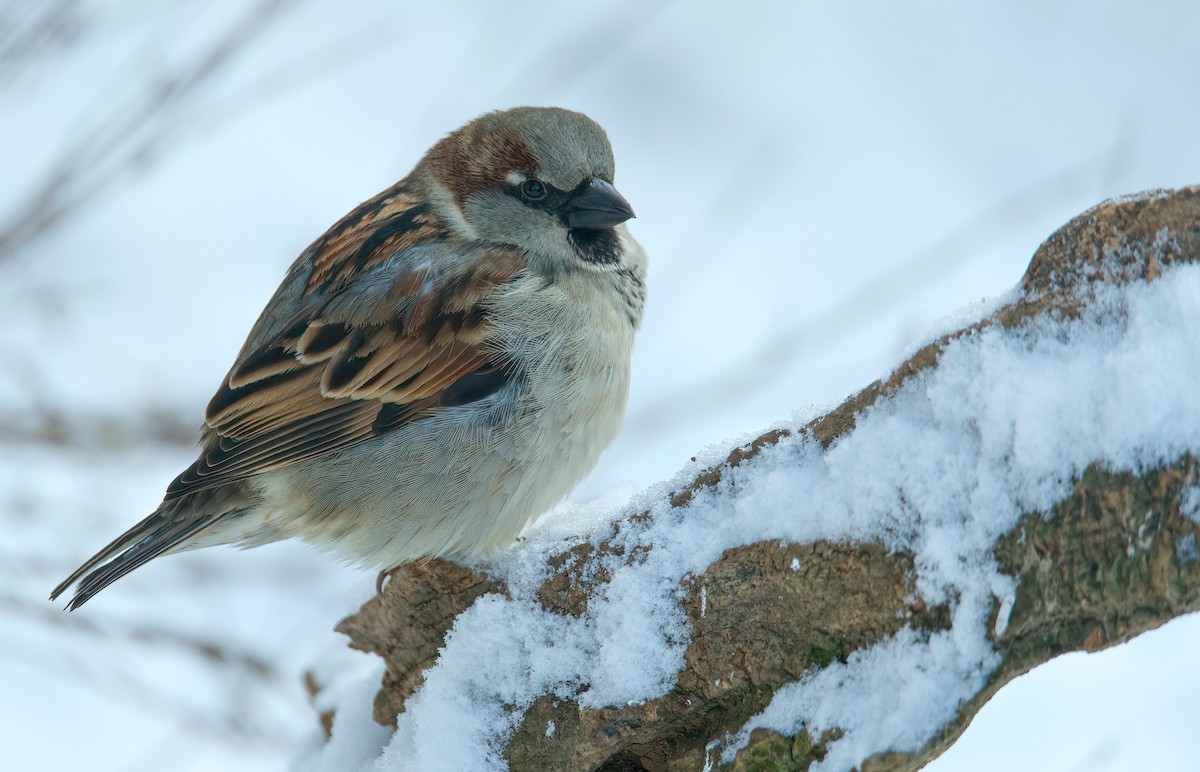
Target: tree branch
{"points": [[1111, 559]]}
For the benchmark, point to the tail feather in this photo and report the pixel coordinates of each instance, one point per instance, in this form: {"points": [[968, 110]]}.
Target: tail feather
{"points": [[169, 527], [141, 552], [117, 545]]}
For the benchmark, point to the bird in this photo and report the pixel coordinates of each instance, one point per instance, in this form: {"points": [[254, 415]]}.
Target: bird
{"points": [[437, 369]]}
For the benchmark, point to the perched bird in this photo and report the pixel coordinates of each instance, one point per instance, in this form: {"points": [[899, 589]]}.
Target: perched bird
{"points": [[442, 365]]}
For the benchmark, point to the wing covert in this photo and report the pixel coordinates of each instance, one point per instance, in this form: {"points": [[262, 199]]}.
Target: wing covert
{"points": [[340, 374]]}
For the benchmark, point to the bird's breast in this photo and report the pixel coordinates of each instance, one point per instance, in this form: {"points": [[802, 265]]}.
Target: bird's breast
{"points": [[572, 339]]}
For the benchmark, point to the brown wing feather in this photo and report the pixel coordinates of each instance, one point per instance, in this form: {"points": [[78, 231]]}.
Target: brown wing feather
{"points": [[391, 222], [326, 384]]}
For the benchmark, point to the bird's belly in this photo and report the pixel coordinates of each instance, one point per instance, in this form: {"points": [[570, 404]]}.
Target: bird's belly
{"points": [[452, 485]]}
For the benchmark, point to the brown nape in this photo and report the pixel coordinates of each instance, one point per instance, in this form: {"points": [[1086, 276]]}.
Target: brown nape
{"points": [[479, 157]]}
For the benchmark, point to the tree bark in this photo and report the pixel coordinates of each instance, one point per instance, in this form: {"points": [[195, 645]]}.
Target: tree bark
{"points": [[768, 622]]}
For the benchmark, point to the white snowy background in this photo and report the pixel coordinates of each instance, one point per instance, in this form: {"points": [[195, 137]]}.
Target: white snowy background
{"points": [[816, 188]]}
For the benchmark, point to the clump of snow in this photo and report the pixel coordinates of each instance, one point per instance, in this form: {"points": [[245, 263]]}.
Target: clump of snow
{"points": [[888, 696], [1004, 613], [1185, 549], [1129, 198], [1189, 503], [941, 470], [960, 320], [355, 739]]}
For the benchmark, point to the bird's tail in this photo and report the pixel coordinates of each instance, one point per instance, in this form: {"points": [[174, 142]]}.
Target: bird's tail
{"points": [[167, 529]]}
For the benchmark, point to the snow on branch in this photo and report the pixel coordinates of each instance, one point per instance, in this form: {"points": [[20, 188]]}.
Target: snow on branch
{"points": [[845, 593]]}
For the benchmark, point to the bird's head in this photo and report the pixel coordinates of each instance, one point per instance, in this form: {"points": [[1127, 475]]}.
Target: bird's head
{"points": [[537, 178]]}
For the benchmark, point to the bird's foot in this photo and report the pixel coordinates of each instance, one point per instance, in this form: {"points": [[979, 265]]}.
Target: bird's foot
{"points": [[382, 580]]}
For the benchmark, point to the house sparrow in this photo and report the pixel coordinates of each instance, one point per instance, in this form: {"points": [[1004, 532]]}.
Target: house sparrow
{"points": [[441, 366]]}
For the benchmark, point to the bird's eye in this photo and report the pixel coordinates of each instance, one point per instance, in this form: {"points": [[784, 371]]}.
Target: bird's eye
{"points": [[533, 190]]}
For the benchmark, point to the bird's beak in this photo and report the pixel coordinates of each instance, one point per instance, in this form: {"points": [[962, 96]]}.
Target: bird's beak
{"points": [[598, 205]]}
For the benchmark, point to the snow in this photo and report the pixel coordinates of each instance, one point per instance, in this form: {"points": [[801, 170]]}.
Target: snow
{"points": [[1003, 426], [815, 187], [1061, 708], [1189, 503], [1185, 549], [349, 681], [894, 695]]}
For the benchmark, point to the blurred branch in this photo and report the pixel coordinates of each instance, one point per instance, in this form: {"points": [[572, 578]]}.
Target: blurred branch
{"points": [[119, 142], [115, 141], [32, 33], [760, 366], [1111, 558], [246, 672], [305, 68], [154, 425]]}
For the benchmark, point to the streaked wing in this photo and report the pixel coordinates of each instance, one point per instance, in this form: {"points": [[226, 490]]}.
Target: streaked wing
{"points": [[354, 366]]}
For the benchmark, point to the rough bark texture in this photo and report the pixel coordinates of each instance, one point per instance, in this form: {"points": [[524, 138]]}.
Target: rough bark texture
{"points": [[1113, 560]]}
